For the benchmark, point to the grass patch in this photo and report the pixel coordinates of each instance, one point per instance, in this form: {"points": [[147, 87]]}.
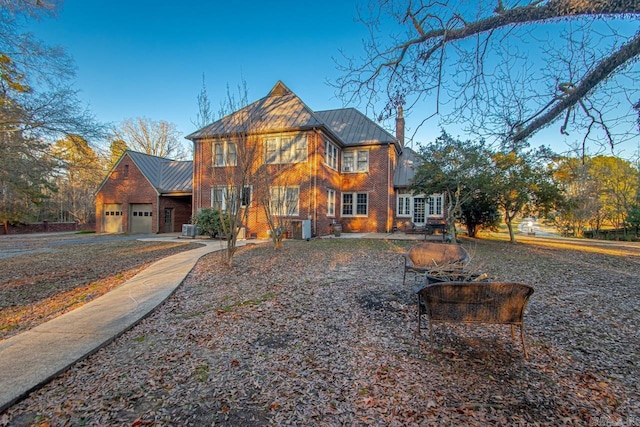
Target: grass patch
{"points": [[250, 302], [202, 373]]}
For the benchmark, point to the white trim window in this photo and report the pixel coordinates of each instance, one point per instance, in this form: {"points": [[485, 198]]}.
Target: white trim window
{"points": [[355, 161], [434, 205], [225, 153], [284, 201], [404, 205], [331, 155], [219, 198], [355, 204], [285, 149], [331, 203], [221, 195]]}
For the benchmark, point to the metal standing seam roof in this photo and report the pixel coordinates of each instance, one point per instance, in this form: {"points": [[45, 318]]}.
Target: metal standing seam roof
{"points": [[165, 175], [354, 128], [280, 110], [408, 163], [283, 110]]}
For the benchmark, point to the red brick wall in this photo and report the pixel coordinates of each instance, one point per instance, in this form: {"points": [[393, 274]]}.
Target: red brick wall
{"points": [[314, 178], [378, 184], [181, 206], [126, 190]]}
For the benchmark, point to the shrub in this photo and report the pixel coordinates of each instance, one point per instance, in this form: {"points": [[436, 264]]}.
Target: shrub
{"points": [[210, 221]]}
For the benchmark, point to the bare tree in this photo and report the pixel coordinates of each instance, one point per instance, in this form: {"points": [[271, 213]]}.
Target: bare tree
{"points": [[279, 196], [248, 170], [158, 138], [504, 68], [205, 115], [236, 158], [37, 105]]}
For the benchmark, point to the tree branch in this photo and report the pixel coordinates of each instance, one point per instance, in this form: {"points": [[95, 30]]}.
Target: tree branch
{"points": [[599, 74]]}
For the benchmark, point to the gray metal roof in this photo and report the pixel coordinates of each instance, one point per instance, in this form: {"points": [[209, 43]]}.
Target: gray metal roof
{"points": [[408, 162], [165, 175], [354, 128], [280, 110]]}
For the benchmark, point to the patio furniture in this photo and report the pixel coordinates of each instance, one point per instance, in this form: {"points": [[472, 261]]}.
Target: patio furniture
{"points": [[426, 257], [429, 228], [474, 302]]}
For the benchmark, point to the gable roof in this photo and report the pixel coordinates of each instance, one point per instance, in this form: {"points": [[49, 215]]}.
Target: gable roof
{"points": [[283, 110], [165, 175], [280, 110]]}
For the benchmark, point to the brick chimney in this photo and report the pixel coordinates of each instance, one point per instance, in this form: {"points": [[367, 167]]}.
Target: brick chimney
{"points": [[400, 127]]}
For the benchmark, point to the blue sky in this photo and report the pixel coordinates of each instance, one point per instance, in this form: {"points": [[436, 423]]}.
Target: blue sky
{"points": [[146, 58]]}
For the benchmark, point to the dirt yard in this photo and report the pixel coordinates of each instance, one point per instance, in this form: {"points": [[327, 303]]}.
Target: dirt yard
{"points": [[322, 333]]}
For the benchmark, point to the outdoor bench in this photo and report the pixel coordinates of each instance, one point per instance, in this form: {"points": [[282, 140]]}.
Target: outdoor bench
{"points": [[474, 302]]}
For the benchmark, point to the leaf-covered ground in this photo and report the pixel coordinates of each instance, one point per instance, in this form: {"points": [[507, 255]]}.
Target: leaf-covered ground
{"points": [[322, 333], [44, 279]]}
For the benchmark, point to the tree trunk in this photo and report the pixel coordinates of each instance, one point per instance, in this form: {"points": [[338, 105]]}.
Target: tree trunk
{"points": [[507, 220]]}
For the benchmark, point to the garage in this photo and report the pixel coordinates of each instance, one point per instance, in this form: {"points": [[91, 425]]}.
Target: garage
{"points": [[112, 217], [141, 218]]}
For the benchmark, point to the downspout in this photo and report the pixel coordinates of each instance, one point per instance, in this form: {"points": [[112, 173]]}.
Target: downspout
{"points": [[310, 169], [389, 219], [315, 182], [197, 177], [158, 214]]}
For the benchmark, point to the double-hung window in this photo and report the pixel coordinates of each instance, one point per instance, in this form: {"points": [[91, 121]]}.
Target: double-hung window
{"points": [[355, 161], [331, 203], [218, 198], [224, 198], [331, 155], [355, 204], [404, 205], [225, 153], [285, 149], [284, 201], [434, 205]]}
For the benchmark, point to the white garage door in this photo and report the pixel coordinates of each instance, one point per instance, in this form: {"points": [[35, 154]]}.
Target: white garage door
{"points": [[112, 218], [140, 218]]}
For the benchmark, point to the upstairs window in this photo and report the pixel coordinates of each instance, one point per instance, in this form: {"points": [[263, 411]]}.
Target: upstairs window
{"points": [[355, 161], [225, 154], [331, 156], [285, 149]]}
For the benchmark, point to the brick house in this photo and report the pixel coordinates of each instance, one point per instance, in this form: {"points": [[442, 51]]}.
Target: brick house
{"points": [[332, 167], [144, 194]]}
